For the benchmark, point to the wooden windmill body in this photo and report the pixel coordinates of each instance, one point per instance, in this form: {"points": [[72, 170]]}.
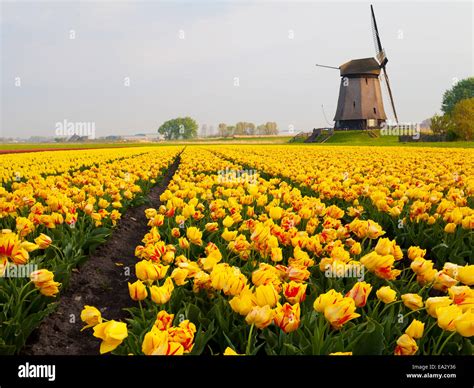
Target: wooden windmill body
{"points": [[360, 104]]}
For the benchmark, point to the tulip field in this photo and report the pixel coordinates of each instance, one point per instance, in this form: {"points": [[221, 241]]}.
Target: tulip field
{"points": [[251, 249]]}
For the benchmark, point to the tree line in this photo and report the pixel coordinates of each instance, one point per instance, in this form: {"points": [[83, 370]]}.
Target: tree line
{"points": [[187, 128], [247, 128]]}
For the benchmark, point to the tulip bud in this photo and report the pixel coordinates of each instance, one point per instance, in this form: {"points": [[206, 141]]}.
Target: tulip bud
{"points": [[415, 329], [406, 346], [43, 241], [386, 294], [412, 301], [360, 292], [137, 290]]}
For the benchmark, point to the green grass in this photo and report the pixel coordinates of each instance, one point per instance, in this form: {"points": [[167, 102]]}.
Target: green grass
{"points": [[347, 138], [361, 138]]}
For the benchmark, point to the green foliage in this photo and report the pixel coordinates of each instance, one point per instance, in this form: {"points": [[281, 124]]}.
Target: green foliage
{"points": [[460, 91], [463, 117], [179, 128], [442, 125]]}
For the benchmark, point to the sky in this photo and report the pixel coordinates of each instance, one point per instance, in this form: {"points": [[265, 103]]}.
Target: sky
{"points": [[127, 67]]}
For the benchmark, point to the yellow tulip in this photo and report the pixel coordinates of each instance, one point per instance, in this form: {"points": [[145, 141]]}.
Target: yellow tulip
{"points": [[137, 290], [412, 301], [111, 333], [340, 312], [276, 255], [324, 300], [386, 294], [450, 228], [466, 275], [228, 235], [153, 340], [266, 295], [43, 241], [183, 243], [360, 292], [415, 329], [179, 276], [287, 317], [447, 316], [462, 296], [163, 320], [91, 316], [294, 292], [227, 222], [41, 277], [464, 324], [149, 271], [230, 352], [261, 317], [276, 213], [244, 302], [406, 346], [161, 295], [433, 303], [415, 252], [194, 235]]}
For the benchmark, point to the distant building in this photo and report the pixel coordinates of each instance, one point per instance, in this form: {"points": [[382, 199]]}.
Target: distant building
{"points": [[77, 139]]}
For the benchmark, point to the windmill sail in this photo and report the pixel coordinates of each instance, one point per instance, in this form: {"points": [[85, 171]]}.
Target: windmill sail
{"points": [[382, 59]]}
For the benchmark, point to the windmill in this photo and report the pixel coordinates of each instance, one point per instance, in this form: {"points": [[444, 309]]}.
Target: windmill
{"points": [[360, 103]]}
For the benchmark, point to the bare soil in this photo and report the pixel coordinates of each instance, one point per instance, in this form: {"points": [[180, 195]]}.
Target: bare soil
{"points": [[100, 282]]}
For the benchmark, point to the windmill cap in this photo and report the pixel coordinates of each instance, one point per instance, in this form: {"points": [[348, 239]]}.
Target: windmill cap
{"points": [[360, 66]]}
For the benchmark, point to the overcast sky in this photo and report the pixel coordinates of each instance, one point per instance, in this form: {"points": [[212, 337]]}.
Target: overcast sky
{"points": [[184, 58]]}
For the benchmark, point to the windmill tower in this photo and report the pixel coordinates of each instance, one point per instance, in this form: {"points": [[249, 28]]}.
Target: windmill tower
{"points": [[360, 103]]}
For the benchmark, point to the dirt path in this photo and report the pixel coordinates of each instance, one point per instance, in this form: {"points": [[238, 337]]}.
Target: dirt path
{"points": [[100, 282]]}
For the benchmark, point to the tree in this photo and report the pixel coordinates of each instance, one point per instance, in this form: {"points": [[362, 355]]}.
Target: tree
{"points": [[261, 129], [222, 129], [204, 130], [441, 125], [179, 128], [230, 130], [463, 118], [244, 128], [464, 89], [271, 128]]}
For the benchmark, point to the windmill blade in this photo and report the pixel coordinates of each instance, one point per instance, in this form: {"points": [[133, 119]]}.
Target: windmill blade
{"points": [[387, 83], [379, 51]]}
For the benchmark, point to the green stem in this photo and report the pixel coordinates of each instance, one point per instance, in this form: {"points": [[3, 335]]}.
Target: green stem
{"points": [[413, 311], [141, 310], [444, 343], [249, 341], [60, 252]]}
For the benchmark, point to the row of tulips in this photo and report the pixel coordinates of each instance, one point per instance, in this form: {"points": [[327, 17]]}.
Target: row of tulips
{"points": [[246, 264], [53, 217], [420, 196]]}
